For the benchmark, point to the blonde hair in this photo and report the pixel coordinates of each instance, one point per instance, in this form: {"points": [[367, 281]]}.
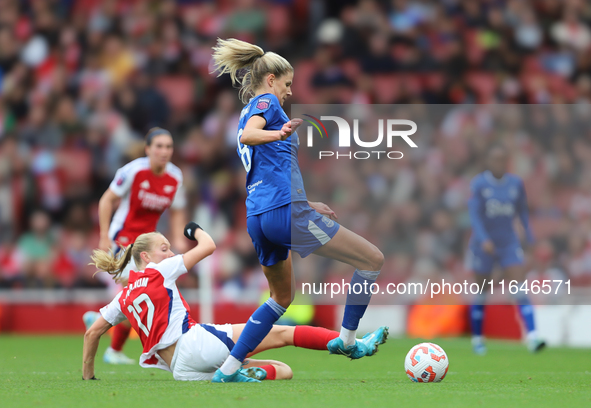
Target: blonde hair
{"points": [[232, 55], [115, 264]]}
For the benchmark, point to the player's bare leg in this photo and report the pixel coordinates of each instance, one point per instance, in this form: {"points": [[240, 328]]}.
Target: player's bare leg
{"points": [[266, 369], [282, 288], [367, 259], [281, 281]]}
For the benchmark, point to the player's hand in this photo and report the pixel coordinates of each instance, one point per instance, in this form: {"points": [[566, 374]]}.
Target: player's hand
{"points": [[289, 128], [190, 230], [323, 209], [105, 244], [488, 247]]}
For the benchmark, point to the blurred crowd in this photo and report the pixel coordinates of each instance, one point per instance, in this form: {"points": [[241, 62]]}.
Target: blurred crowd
{"points": [[81, 81]]}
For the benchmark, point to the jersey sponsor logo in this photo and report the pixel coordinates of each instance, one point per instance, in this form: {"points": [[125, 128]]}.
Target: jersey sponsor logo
{"points": [[263, 103], [168, 189], [120, 180], [145, 184], [252, 187], [153, 201], [494, 208]]}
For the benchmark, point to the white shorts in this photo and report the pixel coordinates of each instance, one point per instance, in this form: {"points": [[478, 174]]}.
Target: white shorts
{"points": [[201, 351]]}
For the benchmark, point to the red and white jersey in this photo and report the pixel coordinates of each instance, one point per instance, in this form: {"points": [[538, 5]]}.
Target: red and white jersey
{"points": [[155, 308], [144, 197]]}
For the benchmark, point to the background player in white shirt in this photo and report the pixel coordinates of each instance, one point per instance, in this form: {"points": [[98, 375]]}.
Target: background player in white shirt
{"points": [[144, 189], [171, 339]]}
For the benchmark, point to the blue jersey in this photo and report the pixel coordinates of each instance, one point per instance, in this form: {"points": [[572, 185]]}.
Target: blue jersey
{"points": [[273, 177], [493, 205]]}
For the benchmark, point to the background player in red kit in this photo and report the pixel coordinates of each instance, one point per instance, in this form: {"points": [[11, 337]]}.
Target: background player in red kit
{"points": [[146, 187], [171, 339]]}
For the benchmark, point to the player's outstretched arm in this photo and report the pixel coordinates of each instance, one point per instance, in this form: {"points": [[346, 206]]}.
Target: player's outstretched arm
{"points": [[253, 133], [105, 211], [177, 222], [205, 245], [91, 342]]}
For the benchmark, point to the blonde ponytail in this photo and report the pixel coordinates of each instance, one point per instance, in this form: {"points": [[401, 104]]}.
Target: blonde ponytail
{"points": [[115, 264], [232, 56]]}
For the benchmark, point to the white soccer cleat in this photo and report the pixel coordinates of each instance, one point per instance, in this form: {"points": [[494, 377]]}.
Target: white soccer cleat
{"points": [[536, 345], [116, 357]]}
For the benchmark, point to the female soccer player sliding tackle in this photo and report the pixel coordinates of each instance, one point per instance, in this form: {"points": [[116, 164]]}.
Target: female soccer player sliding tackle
{"points": [[171, 339], [145, 187], [279, 216]]}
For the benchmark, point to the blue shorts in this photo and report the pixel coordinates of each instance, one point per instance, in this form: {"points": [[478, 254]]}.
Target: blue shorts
{"points": [[481, 262], [293, 226]]}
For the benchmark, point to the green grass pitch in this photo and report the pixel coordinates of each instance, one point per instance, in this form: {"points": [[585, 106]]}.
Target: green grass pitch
{"points": [[45, 372]]}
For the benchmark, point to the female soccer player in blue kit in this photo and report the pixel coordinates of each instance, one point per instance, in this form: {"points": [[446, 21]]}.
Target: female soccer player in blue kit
{"points": [[277, 207], [497, 197]]}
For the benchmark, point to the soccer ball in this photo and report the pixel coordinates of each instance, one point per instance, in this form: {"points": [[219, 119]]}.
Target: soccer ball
{"points": [[426, 362]]}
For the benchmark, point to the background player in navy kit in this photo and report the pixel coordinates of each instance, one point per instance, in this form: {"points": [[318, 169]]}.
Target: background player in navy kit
{"points": [[279, 216], [497, 197]]}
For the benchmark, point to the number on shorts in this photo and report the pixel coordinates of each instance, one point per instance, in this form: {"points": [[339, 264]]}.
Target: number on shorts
{"points": [[244, 153], [136, 309]]}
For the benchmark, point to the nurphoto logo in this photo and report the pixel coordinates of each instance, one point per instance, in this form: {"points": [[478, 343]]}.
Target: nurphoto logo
{"points": [[387, 129]]}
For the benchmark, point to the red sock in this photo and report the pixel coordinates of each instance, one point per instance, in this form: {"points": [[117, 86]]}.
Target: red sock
{"points": [[271, 372], [120, 335], [314, 338]]}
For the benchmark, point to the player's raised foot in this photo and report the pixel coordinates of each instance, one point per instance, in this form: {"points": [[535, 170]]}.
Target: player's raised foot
{"points": [[89, 318], [355, 351], [238, 376], [536, 345], [478, 346], [257, 373], [374, 339], [116, 357]]}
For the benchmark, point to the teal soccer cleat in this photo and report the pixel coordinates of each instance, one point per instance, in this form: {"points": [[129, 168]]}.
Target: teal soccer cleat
{"points": [[219, 377], [374, 339], [367, 346], [89, 318], [257, 373]]}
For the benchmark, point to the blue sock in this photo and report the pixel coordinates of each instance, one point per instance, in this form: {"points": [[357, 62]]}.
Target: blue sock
{"points": [[476, 319], [358, 297], [525, 310], [257, 327]]}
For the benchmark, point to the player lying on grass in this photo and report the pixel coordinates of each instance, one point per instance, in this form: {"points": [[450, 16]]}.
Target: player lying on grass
{"points": [[171, 339], [145, 188]]}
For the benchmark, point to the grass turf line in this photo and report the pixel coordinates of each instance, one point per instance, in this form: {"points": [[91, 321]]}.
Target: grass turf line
{"points": [[45, 371]]}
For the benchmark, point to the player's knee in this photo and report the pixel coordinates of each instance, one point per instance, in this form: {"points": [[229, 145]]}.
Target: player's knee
{"points": [[283, 371], [285, 335], [375, 259], [288, 373], [283, 300]]}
